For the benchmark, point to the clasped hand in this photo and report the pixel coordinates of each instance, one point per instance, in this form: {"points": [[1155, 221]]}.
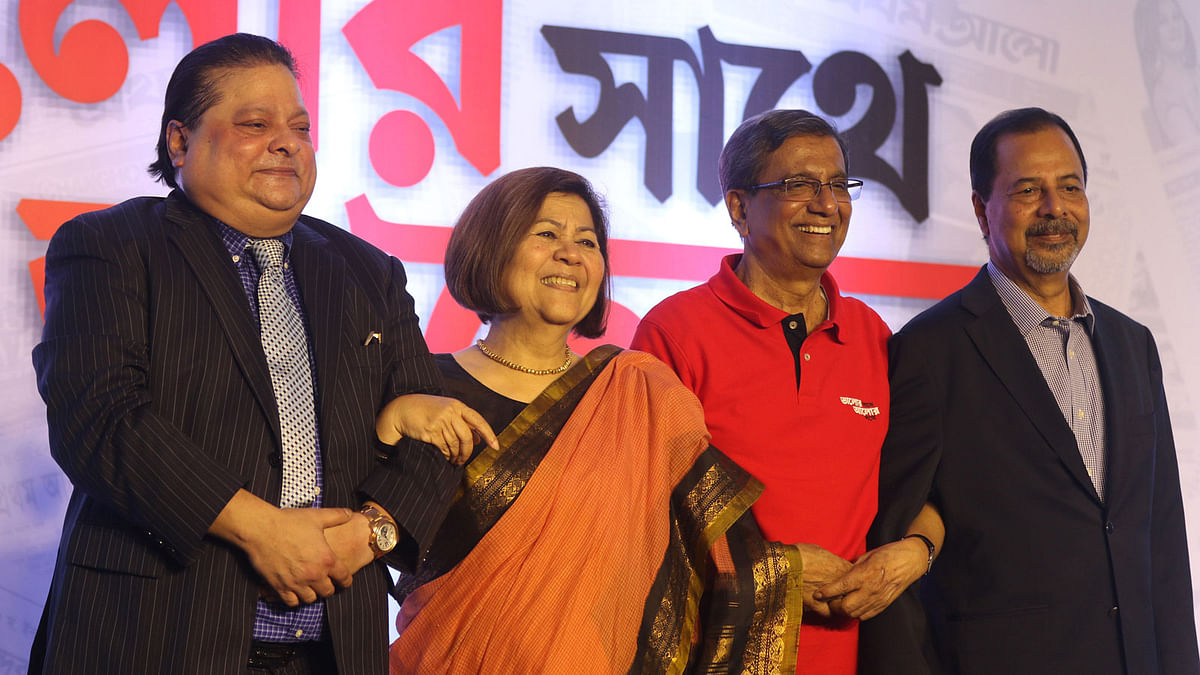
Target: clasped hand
{"points": [[293, 557], [301, 576], [301, 554], [872, 583]]}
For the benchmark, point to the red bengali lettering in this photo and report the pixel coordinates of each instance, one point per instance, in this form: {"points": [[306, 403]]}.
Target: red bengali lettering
{"points": [[92, 59], [401, 129], [10, 102], [382, 36], [300, 31], [43, 218]]}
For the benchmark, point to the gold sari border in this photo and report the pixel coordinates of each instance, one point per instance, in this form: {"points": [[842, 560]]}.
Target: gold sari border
{"points": [[496, 478], [714, 495], [551, 395], [738, 504], [795, 608], [695, 591]]}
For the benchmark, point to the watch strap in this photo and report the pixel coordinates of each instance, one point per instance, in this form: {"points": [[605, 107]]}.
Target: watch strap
{"points": [[928, 544]]}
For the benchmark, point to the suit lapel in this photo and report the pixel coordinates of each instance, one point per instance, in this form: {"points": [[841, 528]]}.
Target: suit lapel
{"points": [[212, 268], [1116, 374], [321, 279], [1007, 354]]}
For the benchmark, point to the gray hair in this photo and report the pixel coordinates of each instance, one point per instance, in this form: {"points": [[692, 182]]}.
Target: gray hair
{"points": [[749, 148]]}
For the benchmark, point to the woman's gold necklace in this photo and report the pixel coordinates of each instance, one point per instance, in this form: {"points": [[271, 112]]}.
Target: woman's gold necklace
{"points": [[525, 369]]}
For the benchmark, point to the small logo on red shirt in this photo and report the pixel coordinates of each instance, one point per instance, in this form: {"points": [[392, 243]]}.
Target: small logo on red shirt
{"points": [[866, 409]]}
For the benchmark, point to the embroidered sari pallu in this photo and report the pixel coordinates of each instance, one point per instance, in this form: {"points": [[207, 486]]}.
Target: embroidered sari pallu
{"points": [[605, 536]]}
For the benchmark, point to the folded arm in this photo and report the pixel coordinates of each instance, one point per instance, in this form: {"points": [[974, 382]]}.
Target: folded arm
{"points": [[908, 462], [412, 481]]}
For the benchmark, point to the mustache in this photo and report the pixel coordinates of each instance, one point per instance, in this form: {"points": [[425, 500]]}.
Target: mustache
{"points": [[1055, 226]]}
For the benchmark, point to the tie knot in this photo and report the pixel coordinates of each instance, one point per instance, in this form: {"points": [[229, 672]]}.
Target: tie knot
{"points": [[268, 253]]}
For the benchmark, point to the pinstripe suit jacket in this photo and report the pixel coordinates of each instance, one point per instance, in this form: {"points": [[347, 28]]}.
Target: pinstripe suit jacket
{"points": [[160, 408]]}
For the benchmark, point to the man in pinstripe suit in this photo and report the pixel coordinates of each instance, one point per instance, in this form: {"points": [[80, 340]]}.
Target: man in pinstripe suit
{"points": [[163, 412]]}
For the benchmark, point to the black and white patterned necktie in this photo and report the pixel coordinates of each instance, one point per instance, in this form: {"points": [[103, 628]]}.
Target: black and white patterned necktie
{"points": [[285, 344]]}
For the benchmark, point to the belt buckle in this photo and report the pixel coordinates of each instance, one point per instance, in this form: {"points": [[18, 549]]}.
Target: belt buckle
{"points": [[274, 656]]}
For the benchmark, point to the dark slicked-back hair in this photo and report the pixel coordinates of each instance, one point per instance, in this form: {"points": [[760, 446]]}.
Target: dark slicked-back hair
{"points": [[1018, 121], [749, 148], [487, 234], [193, 87]]}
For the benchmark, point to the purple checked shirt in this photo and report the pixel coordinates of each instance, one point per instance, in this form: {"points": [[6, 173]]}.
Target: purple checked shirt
{"points": [[1062, 347]]}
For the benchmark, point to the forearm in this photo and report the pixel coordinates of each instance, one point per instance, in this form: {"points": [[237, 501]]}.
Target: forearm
{"points": [[911, 451], [413, 482], [145, 471], [242, 518], [416, 486], [928, 524]]}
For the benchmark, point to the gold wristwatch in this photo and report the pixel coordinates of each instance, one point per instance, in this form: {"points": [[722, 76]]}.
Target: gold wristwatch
{"points": [[383, 529]]}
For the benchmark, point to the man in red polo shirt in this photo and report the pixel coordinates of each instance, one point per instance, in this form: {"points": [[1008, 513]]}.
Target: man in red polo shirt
{"points": [[793, 376]]}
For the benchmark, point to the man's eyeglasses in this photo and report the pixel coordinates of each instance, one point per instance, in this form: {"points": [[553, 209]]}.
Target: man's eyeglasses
{"points": [[806, 189]]}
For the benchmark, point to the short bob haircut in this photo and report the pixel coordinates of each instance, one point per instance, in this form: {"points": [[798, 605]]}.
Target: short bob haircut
{"points": [[487, 234], [193, 87], [1018, 121], [748, 150]]}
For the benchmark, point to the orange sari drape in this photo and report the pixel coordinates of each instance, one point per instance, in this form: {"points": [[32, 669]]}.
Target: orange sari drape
{"points": [[600, 564]]}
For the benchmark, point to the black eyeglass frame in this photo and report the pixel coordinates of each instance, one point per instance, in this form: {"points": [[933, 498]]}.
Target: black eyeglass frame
{"points": [[853, 187]]}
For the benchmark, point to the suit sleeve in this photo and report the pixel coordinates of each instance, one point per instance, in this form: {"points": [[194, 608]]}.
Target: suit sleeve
{"points": [[92, 367], [414, 483], [896, 641], [1174, 620]]}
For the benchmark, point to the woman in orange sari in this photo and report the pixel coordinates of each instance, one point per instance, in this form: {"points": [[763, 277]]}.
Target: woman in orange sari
{"points": [[605, 534]]}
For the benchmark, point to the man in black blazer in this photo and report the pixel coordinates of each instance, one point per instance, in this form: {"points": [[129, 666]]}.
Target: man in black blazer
{"points": [[166, 411], [1033, 418]]}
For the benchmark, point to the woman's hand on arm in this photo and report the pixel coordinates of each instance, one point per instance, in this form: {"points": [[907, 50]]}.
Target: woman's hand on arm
{"points": [[444, 422]]}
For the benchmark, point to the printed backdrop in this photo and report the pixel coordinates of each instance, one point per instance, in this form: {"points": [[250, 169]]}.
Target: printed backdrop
{"points": [[419, 104]]}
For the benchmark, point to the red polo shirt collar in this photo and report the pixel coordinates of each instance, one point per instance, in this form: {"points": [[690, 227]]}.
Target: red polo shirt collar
{"points": [[726, 285]]}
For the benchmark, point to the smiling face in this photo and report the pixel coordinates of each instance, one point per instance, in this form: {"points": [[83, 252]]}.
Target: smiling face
{"points": [[790, 240], [249, 161], [556, 271], [1036, 220]]}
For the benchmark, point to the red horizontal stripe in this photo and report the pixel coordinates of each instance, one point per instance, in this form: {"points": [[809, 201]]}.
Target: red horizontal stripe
{"points": [[685, 262]]}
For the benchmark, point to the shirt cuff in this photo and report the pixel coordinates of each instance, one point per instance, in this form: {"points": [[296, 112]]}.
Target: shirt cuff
{"points": [[417, 489]]}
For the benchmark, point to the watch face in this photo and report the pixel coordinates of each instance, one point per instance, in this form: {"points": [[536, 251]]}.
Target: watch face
{"points": [[385, 537]]}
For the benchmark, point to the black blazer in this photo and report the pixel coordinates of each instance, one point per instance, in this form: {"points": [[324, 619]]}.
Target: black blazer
{"points": [[1037, 575], [160, 407]]}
